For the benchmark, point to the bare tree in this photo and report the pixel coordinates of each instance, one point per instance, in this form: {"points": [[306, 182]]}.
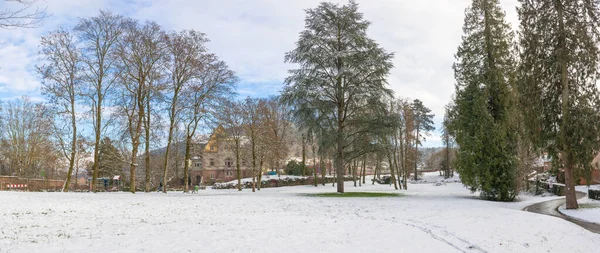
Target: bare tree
{"points": [[205, 94], [26, 138], [278, 122], [25, 15], [253, 112], [151, 121], [61, 81], [187, 61], [141, 52], [99, 36], [232, 117]]}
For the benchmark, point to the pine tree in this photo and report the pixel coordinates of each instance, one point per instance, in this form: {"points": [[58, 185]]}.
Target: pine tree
{"points": [[110, 160], [557, 81], [447, 140], [341, 77], [481, 115], [423, 125]]}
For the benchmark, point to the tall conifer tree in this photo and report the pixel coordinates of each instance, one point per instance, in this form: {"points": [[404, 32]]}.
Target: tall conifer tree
{"points": [[484, 133], [558, 75]]}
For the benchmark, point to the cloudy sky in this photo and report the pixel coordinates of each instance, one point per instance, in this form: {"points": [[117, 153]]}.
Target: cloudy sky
{"points": [[252, 36]]}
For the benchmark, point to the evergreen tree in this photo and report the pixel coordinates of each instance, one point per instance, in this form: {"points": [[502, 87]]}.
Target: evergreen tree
{"points": [[423, 120], [341, 79], [447, 140], [110, 161], [481, 114], [558, 75]]}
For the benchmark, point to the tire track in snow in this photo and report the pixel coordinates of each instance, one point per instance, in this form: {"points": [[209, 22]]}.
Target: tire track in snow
{"points": [[445, 236]]}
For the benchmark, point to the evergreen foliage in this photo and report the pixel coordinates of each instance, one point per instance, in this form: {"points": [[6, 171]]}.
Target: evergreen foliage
{"points": [[110, 160], [423, 120], [341, 79], [486, 160], [558, 82]]}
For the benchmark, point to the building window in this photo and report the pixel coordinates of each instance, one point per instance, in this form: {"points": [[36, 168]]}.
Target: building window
{"points": [[197, 165], [212, 175], [228, 163], [212, 162], [229, 173]]}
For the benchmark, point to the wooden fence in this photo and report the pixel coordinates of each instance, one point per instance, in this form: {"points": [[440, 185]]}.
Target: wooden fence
{"points": [[34, 184]]}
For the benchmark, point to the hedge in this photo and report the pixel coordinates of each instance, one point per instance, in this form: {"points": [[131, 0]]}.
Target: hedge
{"points": [[594, 194], [281, 182]]}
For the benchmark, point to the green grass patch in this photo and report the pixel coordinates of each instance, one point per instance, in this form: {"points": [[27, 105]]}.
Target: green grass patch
{"points": [[589, 205], [355, 195]]}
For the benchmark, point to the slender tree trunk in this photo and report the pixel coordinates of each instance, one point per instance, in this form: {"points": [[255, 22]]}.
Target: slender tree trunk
{"points": [[73, 144], [335, 174], [417, 153], [237, 164], [323, 169], [169, 140], [260, 173], [393, 174], [570, 195], [133, 166], [375, 172], [354, 172], [314, 164], [303, 155], [253, 164], [135, 137], [364, 170], [340, 154], [360, 172], [97, 131], [147, 128], [76, 174], [186, 164]]}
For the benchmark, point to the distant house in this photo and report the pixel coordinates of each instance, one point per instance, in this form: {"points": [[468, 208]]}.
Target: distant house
{"points": [[543, 163], [215, 161], [595, 177]]}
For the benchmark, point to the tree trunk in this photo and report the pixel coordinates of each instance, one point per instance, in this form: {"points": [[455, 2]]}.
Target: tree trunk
{"points": [[132, 167], [73, 145], [97, 131], [323, 170], [364, 169], [260, 174], [253, 165], [147, 128], [393, 174], [76, 174], [375, 172], [237, 164], [303, 155], [314, 164], [186, 163], [417, 153], [340, 155], [570, 195], [168, 148]]}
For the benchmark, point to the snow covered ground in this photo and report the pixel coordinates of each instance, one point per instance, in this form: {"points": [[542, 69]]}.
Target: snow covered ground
{"points": [[428, 218], [589, 209]]}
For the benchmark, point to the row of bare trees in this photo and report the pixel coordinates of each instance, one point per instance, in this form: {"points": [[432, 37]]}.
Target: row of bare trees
{"points": [[258, 130], [119, 76]]}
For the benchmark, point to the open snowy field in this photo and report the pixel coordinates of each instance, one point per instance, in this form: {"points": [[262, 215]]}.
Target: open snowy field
{"points": [[428, 218]]}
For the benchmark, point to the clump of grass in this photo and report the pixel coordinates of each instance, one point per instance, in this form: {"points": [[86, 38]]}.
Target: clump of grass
{"points": [[589, 205], [355, 195]]}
